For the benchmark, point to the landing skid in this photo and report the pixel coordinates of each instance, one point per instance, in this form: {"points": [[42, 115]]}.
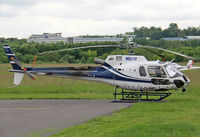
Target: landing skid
{"points": [[142, 96]]}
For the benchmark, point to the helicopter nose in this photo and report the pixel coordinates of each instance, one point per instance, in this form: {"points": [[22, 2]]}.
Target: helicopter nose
{"points": [[182, 82]]}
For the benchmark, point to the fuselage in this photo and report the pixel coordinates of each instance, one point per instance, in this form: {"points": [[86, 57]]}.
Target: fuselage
{"points": [[124, 71]]}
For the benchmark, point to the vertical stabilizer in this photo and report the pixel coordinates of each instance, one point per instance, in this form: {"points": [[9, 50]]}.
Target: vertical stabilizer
{"points": [[189, 64], [11, 57]]}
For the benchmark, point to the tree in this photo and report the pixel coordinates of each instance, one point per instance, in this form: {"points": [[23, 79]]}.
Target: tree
{"points": [[156, 33], [142, 32], [171, 31]]}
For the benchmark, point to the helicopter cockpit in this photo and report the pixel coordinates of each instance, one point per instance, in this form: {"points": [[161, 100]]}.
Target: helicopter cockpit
{"points": [[163, 71], [158, 75]]}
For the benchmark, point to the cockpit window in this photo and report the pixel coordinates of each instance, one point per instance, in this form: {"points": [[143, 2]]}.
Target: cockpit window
{"points": [[142, 71], [156, 71], [170, 71]]}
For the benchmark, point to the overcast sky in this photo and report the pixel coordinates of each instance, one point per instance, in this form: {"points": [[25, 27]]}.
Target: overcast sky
{"points": [[21, 18]]}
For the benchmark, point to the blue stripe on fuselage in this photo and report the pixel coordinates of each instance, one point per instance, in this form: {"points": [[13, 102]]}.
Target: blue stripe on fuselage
{"points": [[109, 75], [110, 67], [99, 72]]}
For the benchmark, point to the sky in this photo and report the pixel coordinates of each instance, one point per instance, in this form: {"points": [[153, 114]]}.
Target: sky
{"points": [[22, 18]]}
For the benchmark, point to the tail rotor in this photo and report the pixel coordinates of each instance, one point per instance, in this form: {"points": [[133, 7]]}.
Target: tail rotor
{"points": [[18, 69]]}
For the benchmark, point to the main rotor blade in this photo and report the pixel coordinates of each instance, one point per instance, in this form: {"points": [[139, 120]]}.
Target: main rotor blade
{"points": [[156, 53], [173, 52], [85, 47]]}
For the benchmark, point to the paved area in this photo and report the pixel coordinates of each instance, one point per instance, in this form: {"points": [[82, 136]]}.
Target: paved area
{"points": [[25, 117]]}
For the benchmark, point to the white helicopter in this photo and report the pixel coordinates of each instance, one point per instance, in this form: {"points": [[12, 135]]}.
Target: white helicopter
{"points": [[128, 72]]}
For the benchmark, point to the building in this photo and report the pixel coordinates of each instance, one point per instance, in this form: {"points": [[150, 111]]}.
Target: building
{"points": [[183, 38], [82, 39], [57, 37], [192, 37], [175, 38], [47, 38]]}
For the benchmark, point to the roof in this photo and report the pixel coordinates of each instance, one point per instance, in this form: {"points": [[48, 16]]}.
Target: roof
{"points": [[174, 38], [193, 37]]}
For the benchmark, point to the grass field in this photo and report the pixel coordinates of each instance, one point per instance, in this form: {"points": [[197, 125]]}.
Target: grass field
{"points": [[179, 116], [50, 87]]}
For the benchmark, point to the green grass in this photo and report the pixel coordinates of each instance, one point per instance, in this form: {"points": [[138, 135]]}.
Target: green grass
{"points": [[51, 87]]}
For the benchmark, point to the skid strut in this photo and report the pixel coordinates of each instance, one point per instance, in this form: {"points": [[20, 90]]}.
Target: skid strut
{"points": [[139, 96]]}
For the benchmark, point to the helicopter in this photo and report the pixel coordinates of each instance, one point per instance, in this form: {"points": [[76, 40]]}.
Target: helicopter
{"points": [[127, 72]]}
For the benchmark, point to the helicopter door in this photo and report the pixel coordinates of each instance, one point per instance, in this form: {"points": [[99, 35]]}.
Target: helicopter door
{"points": [[158, 75]]}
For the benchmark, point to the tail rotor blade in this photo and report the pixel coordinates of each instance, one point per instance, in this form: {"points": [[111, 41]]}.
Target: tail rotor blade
{"points": [[30, 75], [24, 69]]}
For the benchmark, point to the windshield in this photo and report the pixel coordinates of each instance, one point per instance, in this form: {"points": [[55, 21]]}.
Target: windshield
{"points": [[156, 71], [172, 71]]}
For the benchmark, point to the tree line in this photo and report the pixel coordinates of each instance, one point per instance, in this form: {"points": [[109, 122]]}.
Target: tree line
{"points": [[157, 33], [26, 52]]}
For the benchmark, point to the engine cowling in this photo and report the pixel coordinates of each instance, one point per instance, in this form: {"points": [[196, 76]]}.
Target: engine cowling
{"points": [[99, 61]]}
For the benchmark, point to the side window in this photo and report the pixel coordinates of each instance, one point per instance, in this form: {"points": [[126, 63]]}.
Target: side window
{"points": [[111, 59], [118, 58], [142, 71]]}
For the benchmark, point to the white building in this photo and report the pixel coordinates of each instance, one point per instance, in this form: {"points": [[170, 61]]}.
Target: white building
{"points": [[57, 37], [192, 37], [174, 38], [47, 38], [93, 39]]}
